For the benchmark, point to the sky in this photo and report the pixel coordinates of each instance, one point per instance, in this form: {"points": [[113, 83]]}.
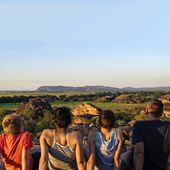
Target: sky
{"points": [[116, 43]]}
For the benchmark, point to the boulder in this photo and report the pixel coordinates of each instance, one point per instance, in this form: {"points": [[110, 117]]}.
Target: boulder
{"points": [[167, 114], [131, 98], [105, 99], [86, 108], [78, 120], [165, 98], [37, 107]]}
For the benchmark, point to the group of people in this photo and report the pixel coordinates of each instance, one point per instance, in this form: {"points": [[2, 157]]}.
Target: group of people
{"points": [[62, 149]]}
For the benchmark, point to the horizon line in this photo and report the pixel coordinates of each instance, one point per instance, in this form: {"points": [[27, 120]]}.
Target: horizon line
{"points": [[32, 90]]}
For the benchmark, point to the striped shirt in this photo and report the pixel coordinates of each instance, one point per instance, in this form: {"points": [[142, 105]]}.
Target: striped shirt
{"points": [[61, 157]]}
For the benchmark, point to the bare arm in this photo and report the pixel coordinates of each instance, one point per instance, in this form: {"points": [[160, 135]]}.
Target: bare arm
{"points": [[91, 160], [139, 156], [118, 151], [26, 155], [79, 153], [44, 153]]}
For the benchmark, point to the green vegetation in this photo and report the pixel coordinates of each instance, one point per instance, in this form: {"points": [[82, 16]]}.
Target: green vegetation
{"points": [[35, 93], [36, 108], [121, 107], [117, 107], [62, 103], [9, 106]]}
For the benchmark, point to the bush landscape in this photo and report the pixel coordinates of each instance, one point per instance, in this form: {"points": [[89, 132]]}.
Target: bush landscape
{"points": [[37, 107]]}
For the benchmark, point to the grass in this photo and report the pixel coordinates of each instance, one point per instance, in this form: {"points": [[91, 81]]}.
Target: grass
{"points": [[68, 104], [35, 93], [116, 107], [9, 106], [120, 107]]}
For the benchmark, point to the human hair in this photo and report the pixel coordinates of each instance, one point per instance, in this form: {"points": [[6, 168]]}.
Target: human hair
{"points": [[106, 119], [12, 124], [62, 117], [155, 107]]}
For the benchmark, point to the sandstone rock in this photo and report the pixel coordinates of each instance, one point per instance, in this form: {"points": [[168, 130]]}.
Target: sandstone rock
{"points": [[167, 114], [78, 120], [131, 98], [86, 108], [167, 110], [165, 98], [105, 99]]}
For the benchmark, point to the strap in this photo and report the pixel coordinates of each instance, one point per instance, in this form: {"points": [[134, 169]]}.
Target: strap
{"points": [[67, 140], [54, 134], [68, 144], [117, 133]]}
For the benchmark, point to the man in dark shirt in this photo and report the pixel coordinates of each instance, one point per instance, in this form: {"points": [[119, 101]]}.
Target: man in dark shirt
{"points": [[149, 139]]}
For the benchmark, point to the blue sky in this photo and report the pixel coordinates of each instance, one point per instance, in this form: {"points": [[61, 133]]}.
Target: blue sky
{"points": [[75, 42]]}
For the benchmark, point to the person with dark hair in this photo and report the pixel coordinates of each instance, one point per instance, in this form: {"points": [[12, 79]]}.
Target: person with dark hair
{"points": [[150, 139], [105, 145], [60, 149], [15, 144]]}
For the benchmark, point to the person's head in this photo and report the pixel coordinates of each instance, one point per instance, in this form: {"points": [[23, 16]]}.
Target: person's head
{"points": [[155, 108], [62, 117], [12, 124], [106, 119]]}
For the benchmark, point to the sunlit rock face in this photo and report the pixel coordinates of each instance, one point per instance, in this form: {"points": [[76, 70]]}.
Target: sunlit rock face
{"points": [[86, 109], [165, 98]]}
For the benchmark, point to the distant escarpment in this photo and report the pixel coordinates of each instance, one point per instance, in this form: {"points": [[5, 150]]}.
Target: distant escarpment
{"points": [[98, 88], [79, 89]]}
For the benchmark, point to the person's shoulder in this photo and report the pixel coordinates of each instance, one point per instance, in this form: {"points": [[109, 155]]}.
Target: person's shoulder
{"points": [[47, 132], [140, 123], [2, 136], [116, 130], [25, 135], [75, 135], [166, 122]]}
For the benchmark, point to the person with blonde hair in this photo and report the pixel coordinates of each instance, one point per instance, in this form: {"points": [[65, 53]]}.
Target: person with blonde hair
{"points": [[15, 144]]}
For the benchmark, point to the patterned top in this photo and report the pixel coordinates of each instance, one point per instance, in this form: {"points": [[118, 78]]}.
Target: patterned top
{"points": [[105, 149], [61, 157]]}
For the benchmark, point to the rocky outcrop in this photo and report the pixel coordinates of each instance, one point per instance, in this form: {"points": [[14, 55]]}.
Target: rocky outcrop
{"points": [[131, 98], [86, 108], [167, 114], [167, 110], [37, 105], [84, 113], [78, 120], [105, 99], [38, 115], [165, 98]]}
